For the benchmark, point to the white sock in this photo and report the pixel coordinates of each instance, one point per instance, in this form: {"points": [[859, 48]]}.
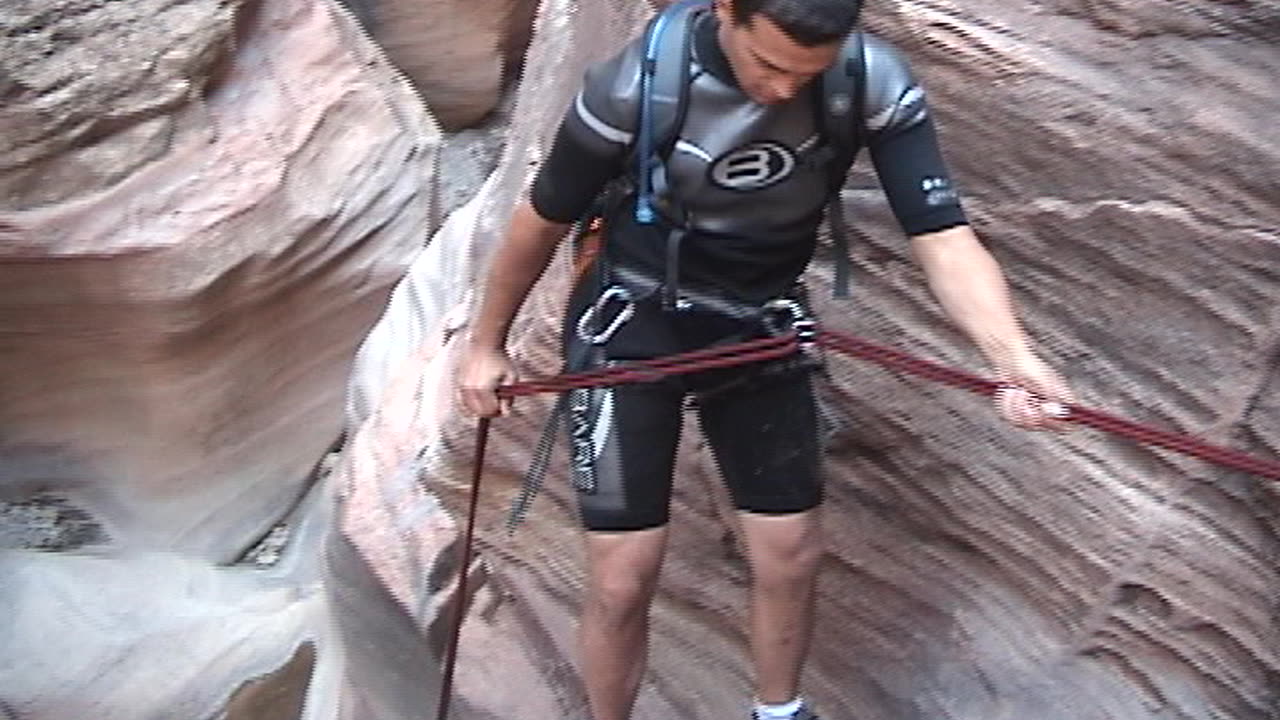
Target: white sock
{"points": [[778, 712]]}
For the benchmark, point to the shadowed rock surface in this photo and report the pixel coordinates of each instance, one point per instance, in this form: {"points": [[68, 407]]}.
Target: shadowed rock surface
{"points": [[460, 54]]}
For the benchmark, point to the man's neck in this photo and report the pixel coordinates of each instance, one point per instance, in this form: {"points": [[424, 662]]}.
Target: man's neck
{"points": [[708, 51]]}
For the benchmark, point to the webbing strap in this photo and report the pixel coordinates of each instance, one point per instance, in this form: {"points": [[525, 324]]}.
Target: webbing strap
{"points": [[671, 288], [531, 484], [840, 243], [663, 88]]}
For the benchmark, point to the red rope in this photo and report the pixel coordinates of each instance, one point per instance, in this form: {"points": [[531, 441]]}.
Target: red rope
{"points": [[649, 370], [898, 360], [1097, 419], [781, 346], [464, 565]]}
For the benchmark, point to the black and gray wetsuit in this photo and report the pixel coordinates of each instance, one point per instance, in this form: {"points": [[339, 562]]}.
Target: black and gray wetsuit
{"points": [[747, 180]]}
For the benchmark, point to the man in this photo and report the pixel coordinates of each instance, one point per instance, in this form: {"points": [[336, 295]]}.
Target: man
{"points": [[739, 179]]}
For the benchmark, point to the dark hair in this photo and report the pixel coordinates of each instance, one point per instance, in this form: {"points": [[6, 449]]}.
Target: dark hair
{"points": [[808, 22]]}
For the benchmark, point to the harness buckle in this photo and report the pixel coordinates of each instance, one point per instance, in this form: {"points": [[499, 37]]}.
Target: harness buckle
{"points": [[587, 321], [801, 322]]}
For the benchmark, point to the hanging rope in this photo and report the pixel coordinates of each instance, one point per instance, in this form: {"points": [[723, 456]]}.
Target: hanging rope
{"points": [[460, 601]]}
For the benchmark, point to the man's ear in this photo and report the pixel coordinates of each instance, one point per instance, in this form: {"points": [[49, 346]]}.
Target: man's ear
{"points": [[723, 10]]}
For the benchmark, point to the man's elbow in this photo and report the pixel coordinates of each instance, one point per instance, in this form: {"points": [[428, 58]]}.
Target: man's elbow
{"points": [[952, 234], [527, 222], [938, 244]]}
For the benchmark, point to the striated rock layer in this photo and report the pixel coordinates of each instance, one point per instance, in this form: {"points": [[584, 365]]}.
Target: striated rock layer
{"points": [[205, 206], [1110, 154], [460, 54], [178, 312]]}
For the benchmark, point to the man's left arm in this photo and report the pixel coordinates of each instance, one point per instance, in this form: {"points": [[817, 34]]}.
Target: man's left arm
{"points": [[971, 288], [962, 274]]}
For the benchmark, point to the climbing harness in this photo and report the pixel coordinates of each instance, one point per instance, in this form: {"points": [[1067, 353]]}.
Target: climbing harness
{"points": [[595, 327]]}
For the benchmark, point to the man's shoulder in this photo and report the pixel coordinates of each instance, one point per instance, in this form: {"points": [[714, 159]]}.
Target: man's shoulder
{"points": [[611, 87], [893, 98]]}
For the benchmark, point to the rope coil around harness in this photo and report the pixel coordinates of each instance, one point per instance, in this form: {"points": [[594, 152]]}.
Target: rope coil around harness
{"points": [[768, 348]]}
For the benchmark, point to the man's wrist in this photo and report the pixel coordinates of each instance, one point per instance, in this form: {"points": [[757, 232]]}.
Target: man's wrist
{"points": [[1005, 354], [486, 341]]}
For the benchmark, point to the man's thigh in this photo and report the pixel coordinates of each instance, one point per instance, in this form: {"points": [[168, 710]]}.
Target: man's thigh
{"points": [[623, 443], [764, 434]]}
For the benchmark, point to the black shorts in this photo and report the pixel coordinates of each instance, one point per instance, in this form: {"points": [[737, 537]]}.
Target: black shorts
{"points": [[760, 421]]}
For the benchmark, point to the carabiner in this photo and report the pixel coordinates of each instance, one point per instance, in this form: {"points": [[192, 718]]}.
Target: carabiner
{"points": [[803, 325], [587, 320]]}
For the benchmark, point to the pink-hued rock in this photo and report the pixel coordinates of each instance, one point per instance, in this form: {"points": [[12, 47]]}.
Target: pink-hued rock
{"points": [[975, 571], [178, 312], [176, 325], [175, 332], [460, 54]]}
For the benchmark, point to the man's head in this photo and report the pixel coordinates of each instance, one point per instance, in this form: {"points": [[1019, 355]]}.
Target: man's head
{"points": [[777, 46]]}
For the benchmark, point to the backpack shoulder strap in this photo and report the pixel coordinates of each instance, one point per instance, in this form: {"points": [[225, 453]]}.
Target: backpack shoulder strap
{"points": [[844, 126], [843, 91], [664, 92]]}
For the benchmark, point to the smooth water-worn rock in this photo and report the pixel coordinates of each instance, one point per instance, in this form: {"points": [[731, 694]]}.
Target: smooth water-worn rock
{"points": [[460, 54], [177, 316], [205, 206]]}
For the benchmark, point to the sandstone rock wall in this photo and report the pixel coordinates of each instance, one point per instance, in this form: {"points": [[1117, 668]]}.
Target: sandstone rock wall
{"points": [[180, 307], [205, 205], [461, 55], [1109, 154]]}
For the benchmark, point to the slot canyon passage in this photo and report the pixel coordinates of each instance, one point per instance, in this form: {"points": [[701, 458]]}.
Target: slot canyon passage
{"points": [[239, 245]]}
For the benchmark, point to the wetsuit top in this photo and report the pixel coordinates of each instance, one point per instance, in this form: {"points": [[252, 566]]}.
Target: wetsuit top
{"points": [[743, 173]]}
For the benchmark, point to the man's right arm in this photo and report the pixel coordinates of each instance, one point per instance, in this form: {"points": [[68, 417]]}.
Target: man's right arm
{"points": [[590, 149], [516, 266], [519, 261]]}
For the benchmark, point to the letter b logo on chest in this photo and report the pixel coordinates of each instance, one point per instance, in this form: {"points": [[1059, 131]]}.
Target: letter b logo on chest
{"points": [[753, 167]]}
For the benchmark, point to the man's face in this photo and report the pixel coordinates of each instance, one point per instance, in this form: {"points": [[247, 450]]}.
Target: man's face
{"points": [[769, 65]]}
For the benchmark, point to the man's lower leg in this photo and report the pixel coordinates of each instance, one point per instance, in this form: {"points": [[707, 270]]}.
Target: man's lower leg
{"points": [[614, 653], [785, 554], [614, 632], [781, 623]]}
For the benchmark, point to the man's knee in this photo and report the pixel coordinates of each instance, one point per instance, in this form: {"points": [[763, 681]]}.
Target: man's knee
{"points": [[624, 573], [784, 549], [620, 598]]}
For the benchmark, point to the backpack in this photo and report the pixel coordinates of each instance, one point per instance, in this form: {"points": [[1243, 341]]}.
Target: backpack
{"points": [[664, 98]]}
